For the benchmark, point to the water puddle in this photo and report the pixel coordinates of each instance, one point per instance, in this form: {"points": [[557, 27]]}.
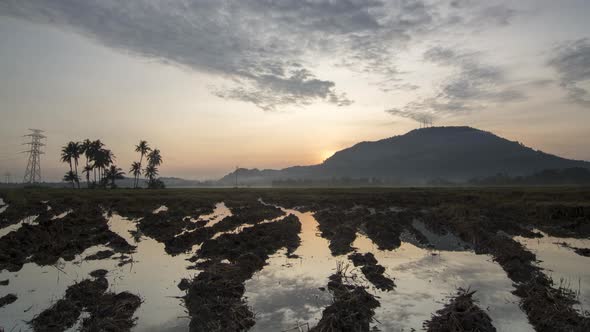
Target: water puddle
{"points": [[61, 215], [563, 264], [425, 278], [162, 208], [31, 220], [219, 212], [3, 206], [153, 276], [287, 292]]}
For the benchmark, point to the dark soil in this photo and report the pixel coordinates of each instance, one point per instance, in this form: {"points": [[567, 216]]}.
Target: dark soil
{"points": [[548, 308], [352, 310], [50, 240], [251, 214], [108, 311], [460, 314], [214, 297], [372, 271], [580, 251], [99, 273], [7, 299], [103, 254]]}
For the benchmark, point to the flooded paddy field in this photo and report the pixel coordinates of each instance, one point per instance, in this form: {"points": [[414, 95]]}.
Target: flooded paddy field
{"points": [[295, 260]]}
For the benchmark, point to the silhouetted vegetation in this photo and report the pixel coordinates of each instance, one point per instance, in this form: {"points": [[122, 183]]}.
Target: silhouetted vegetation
{"points": [[569, 176], [101, 168]]}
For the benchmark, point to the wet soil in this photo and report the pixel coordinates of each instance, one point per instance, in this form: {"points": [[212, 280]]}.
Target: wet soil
{"points": [[483, 219], [7, 299], [49, 240], [214, 297], [461, 313], [353, 307], [107, 311], [372, 271]]}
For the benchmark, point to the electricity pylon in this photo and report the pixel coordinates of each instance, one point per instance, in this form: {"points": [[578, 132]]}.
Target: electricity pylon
{"points": [[33, 170]]}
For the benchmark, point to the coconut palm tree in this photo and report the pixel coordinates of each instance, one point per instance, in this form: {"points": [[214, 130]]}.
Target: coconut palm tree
{"points": [[71, 152], [136, 171], [151, 172], [143, 148], [87, 170], [67, 154], [71, 177], [95, 147], [114, 173], [154, 158], [102, 159]]}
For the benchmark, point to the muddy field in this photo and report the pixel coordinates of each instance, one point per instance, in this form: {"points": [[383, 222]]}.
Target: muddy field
{"points": [[295, 260]]}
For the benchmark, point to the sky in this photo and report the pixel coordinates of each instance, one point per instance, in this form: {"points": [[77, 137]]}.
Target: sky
{"points": [[216, 84]]}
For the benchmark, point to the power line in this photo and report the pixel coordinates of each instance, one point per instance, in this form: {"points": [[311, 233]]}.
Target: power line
{"points": [[33, 170]]}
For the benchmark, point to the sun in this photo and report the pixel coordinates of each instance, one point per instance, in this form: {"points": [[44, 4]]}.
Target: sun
{"points": [[327, 154]]}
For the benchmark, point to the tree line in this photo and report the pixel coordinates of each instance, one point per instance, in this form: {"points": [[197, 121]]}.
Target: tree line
{"points": [[100, 169]]}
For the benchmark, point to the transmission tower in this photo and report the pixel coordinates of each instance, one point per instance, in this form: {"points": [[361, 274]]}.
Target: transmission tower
{"points": [[7, 177], [33, 171]]}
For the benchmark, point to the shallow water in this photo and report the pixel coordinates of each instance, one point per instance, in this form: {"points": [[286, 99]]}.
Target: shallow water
{"points": [[3, 205], [566, 267], [425, 278], [289, 292], [31, 220], [286, 292], [153, 276]]}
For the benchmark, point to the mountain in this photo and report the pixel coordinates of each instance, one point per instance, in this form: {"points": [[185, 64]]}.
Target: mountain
{"points": [[419, 156]]}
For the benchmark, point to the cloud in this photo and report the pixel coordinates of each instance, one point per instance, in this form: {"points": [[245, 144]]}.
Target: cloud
{"points": [[267, 49], [472, 85], [571, 60]]}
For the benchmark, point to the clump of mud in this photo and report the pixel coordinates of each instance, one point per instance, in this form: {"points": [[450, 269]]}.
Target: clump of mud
{"points": [[547, 308], [352, 310], [372, 271], [214, 297], [580, 251], [250, 214], [107, 311], [7, 299], [50, 240], [461, 313]]}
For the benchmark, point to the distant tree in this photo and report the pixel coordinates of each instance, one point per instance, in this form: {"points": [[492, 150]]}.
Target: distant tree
{"points": [[143, 148], [71, 152], [102, 159], [151, 172], [95, 148], [88, 169], [136, 171], [114, 173], [154, 158], [71, 177]]}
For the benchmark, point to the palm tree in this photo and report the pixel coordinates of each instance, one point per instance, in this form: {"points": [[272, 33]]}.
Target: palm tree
{"points": [[95, 147], [136, 171], [151, 171], [71, 177], [154, 157], [114, 173], [102, 159], [87, 170], [143, 148], [69, 152]]}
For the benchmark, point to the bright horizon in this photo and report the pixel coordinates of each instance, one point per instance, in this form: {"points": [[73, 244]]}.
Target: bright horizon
{"points": [[261, 84]]}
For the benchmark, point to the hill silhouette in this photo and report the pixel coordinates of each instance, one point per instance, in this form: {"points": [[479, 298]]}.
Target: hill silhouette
{"points": [[419, 156]]}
